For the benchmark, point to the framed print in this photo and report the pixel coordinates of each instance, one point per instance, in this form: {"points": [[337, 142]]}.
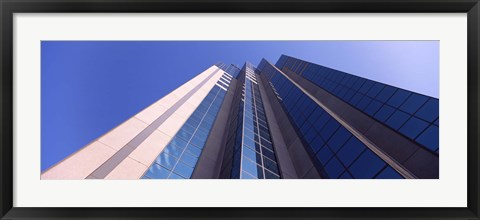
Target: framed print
{"points": [[215, 109]]}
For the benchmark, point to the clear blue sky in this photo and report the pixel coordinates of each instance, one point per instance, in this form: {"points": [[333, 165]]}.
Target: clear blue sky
{"points": [[90, 87]]}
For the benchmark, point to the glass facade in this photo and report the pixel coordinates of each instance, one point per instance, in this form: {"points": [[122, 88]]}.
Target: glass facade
{"points": [[319, 123], [413, 115], [180, 156], [252, 155], [335, 151], [229, 68]]}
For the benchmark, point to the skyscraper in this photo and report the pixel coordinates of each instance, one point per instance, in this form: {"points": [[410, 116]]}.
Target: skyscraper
{"points": [[294, 119]]}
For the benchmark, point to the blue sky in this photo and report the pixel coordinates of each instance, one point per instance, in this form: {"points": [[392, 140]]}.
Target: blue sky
{"points": [[89, 87]]}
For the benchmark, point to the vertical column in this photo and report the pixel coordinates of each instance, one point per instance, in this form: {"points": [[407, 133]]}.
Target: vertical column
{"points": [[253, 155]]}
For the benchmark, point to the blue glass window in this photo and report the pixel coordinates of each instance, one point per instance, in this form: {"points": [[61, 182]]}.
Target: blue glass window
{"points": [[183, 170], [397, 119], [346, 175], [269, 175], [310, 135], [198, 142], [356, 98], [413, 127], [429, 111], [348, 95], [249, 166], [413, 103], [166, 160], [358, 83], [189, 129], [429, 138], [329, 128], [175, 176], [321, 121], [384, 113], [375, 90], [324, 155], [188, 159], [373, 107], [250, 153], [193, 150], [349, 80], [366, 86], [339, 138], [178, 142], [350, 151], [334, 168], [268, 154], [364, 102], [246, 175], [157, 172], [366, 166], [385, 94], [316, 113], [398, 98], [389, 173], [316, 144], [173, 150]]}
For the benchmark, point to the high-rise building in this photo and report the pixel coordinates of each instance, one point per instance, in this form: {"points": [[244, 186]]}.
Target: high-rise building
{"points": [[294, 119]]}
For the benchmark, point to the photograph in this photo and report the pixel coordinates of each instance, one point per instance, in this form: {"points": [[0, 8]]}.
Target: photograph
{"points": [[279, 109], [163, 109]]}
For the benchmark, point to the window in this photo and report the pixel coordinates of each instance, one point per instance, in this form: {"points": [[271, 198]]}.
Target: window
{"points": [[316, 144], [373, 107], [376, 88], [366, 166], [366, 86], [188, 159], [413, 103], [356, 98], [413, 127], [339, 138], [386, 93], [166, 160], [429, 111], [397, 119], [183, 170], [384, 113], [329, 128], [389, 173], [350, 151], [324, 155], [363, 102], [157, 172], [398, 98], [173, 150], [429, 138], [334, 168]]}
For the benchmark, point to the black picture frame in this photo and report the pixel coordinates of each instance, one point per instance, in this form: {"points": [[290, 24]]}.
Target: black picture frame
{"points": [[9, 7]]}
